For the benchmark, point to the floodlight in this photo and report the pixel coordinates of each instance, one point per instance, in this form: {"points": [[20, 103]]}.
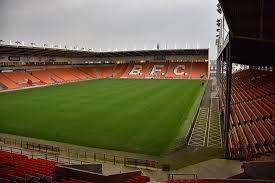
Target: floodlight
{"points": [[219, 9], [18, 43]]}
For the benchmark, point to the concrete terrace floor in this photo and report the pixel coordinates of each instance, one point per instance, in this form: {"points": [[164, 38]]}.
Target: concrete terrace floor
{"points": [[214, 168]]}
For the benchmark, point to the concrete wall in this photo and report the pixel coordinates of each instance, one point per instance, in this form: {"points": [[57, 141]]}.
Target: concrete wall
{"points": [[63, 171], [260, 169]]}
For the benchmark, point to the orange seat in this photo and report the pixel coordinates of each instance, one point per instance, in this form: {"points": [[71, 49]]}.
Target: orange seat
{"points": [[90, 71], [119, 69], [21, 77], [199, 70], [78, 73], [8, 83], [63, 74], [104, 71]]}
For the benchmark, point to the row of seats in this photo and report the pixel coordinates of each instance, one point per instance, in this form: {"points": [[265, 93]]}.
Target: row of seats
{"points": [[19, 168], [138, 179], [252, 117], [256, 86]]}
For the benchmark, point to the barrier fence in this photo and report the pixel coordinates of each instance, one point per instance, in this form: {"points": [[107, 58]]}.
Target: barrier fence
{"points": [[72, 156], [31, 145], [47, 156], [172, 176]]}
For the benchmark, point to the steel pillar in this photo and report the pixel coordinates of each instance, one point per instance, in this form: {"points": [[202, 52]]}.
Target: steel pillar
{"points": [[228, 98]]}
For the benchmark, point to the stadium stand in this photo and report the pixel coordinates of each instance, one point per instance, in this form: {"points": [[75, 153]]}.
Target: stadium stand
{"points": [[170, 70], [252, 127]]}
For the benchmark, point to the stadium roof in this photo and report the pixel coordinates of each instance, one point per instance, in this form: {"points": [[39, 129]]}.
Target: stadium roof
{"points": [[40, 51], [252, 30]]}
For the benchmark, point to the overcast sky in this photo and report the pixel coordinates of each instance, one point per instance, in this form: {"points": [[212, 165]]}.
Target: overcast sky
{"points": [[111, 24]]}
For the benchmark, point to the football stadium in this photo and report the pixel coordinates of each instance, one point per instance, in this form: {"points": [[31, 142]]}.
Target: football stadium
{"points": [[158, 115]]}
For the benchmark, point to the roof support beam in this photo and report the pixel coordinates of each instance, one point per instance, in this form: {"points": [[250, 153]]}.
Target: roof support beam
{"points": [[255, 39]]}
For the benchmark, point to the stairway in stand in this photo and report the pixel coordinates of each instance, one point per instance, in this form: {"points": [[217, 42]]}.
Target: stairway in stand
{"points": [[198, 136], [214, 127]]}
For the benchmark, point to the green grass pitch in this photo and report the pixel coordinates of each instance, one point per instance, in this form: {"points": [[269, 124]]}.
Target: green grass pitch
{"points": [[141, 116]]}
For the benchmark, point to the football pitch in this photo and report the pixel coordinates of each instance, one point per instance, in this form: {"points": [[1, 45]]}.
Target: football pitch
{"points": [[140, 116]]}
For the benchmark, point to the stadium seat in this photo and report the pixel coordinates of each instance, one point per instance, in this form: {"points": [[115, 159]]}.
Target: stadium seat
{"points": [[251, 111], [199, 70], [21, 78], [77, 73], [138, 179], [90, 71], [104, 71], [63, 74], [119, 69], [178, 70], [45, 76], [136, 70], [157, 69]]}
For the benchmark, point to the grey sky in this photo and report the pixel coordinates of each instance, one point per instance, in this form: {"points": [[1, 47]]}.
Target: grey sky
{"points": [[110, 23]]}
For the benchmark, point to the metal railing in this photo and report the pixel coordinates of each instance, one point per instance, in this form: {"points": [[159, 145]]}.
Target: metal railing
{"points": [[172, 176], [47, 156], [47, 148], [70, 155]]}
